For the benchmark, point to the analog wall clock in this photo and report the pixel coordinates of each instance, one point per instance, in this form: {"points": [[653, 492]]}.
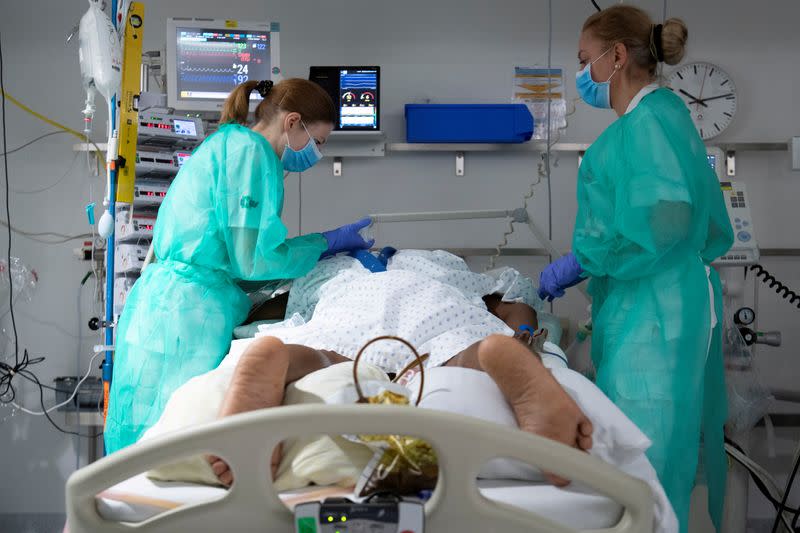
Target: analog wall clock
{"points": [[710, 95]]}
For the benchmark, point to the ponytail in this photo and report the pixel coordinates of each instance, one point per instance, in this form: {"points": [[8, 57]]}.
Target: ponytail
{"points": [[237, 105], [293, 95]]}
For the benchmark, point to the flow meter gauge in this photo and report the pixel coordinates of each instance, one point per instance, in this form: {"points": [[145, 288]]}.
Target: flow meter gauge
{"points": [[744, 316]]}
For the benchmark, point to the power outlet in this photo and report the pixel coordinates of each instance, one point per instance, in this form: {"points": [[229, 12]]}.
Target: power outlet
{"points": [[84, 253]]}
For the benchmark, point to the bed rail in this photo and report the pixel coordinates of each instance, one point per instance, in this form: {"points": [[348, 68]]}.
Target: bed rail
{"points": [[462, 444]]}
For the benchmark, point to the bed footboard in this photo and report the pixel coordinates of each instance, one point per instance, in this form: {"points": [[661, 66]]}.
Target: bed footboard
{"points": [[462, 445]]}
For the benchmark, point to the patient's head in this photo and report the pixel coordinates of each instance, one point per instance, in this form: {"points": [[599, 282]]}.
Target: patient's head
{"points": [[533, 341]]}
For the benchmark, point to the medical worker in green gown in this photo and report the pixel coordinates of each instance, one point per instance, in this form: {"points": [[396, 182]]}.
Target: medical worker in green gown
{"points": [[650, 221], [219, 226]]}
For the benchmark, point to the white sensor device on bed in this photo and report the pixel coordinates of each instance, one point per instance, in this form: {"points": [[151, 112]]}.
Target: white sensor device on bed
{"points": [[340, 515]]}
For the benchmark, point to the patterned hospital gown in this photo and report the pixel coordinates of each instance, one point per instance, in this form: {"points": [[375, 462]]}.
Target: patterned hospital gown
{"points": [[431, 299]]}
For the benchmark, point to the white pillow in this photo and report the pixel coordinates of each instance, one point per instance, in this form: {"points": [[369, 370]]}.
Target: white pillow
{"points": [[472, 393], [323, 460]]}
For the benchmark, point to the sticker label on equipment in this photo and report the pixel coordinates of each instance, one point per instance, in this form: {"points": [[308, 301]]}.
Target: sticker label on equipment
{"points": [[248, 203], [306, 525]]}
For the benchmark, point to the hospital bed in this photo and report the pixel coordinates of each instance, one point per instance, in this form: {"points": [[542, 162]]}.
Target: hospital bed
{"points": [[112, 495]]}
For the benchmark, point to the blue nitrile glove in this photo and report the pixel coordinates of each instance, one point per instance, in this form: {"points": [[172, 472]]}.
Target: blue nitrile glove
{"points": [[347, 238], [368, 261], [561, 274], [386, 254]]}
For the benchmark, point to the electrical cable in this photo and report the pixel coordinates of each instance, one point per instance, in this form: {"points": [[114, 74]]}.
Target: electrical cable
{"points": [[52, 422], [499, 248], [790, 484], [38, 320], [786, 492], [8, 393], [59, 180], [763, 481], [574, 103], [794, 521], [7, 372], [777, 286], [8, 209], [542, 172], [83, 138], [31, 235], [595, 5], [756, 477], [68, 400], [37, 139], [48, 387]]}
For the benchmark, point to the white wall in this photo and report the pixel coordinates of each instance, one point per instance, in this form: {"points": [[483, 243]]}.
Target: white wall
{"points": [[427, 49]]}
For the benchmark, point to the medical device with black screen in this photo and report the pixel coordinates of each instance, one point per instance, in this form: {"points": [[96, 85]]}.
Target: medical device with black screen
{"points": [[207, 58], [356, 93]]}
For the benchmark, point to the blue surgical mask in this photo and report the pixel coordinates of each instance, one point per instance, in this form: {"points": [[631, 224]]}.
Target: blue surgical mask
{"points": [[596, 94], [301, 160]]}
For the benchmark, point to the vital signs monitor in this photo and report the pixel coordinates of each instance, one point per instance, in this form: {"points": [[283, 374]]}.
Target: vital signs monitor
{"points": [[207, 58]]}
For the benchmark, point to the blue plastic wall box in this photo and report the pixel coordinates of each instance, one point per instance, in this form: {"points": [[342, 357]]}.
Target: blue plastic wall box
{"points": [[468, 123]]}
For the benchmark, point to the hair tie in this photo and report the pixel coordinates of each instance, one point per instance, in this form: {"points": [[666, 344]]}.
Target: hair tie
{"points": [[657, 45], [264, 87]]}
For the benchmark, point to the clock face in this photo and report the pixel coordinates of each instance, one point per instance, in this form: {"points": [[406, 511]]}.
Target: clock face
{"points": [[709, 94]]}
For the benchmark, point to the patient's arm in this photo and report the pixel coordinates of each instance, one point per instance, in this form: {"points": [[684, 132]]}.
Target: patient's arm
{"points": [[272, 309], [514, 314]]}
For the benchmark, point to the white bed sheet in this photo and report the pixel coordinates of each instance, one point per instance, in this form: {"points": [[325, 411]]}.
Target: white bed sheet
{"points": [[140, 498]]}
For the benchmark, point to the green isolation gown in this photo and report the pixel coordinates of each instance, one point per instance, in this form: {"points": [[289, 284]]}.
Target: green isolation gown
{"points": [[218, 226], [651, 219]]}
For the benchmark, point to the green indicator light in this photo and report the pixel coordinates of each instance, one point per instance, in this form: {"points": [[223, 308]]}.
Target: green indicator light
{"points": [[330, 519], [344, 519]]}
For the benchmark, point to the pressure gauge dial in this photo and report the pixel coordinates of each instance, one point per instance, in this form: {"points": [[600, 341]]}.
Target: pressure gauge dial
{"points": [[744, 316]]}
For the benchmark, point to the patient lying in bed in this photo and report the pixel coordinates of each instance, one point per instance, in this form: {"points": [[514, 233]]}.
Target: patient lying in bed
{"points": [[430, 299]]}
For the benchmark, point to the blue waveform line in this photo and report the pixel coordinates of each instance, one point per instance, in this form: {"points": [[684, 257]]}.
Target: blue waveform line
{"points": [[207, 78], [359, 81], [353, 87]]}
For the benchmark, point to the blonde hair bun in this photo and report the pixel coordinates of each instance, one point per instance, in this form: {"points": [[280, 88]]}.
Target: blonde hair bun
{"points": [[673, 40]]}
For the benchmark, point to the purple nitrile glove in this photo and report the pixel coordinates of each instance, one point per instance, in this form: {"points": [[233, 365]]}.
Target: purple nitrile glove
{"points": [[347, 238], [561, 274]]}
